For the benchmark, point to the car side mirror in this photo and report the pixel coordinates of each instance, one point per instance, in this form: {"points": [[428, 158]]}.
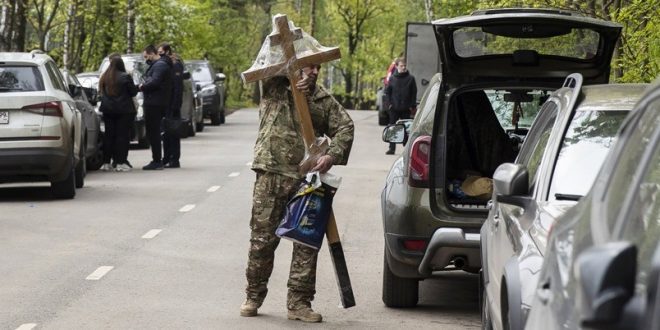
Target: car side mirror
{"points": [[186, 75], [92, 95], [606, 276], [74, 91], [511, 182], [220, 77], [395, 133]]}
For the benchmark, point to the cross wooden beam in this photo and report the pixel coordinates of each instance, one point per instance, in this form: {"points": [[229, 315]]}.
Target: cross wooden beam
{"points": [[292, 64]]}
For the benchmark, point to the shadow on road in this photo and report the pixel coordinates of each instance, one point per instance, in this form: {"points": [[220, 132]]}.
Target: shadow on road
{"points": [[26, 193]]}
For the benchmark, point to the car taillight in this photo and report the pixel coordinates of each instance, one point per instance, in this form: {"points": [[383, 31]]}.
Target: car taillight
{"points": [[419, 162], [53, 108], [414, 244]]}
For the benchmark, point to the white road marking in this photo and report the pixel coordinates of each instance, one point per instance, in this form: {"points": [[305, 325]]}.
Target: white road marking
{"points": [[187, 208], [27, 326], [249, 164], [152, 233], [213, 189], [234, 174], [99, 273]]}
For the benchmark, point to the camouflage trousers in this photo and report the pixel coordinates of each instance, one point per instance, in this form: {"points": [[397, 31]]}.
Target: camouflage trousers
{"points": [[271, 194]]}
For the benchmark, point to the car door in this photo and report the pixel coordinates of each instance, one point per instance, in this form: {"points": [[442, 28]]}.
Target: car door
{"points": [[422, 55]]}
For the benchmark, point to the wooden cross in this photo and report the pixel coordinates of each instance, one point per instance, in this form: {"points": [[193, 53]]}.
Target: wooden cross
{"points": [[292, 64]]}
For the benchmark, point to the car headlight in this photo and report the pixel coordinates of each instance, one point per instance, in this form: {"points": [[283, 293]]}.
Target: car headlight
{"points": [[209, 90]]}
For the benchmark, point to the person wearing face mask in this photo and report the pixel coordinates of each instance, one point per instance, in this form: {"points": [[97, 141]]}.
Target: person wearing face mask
{"points": [[401, 94], [172, 142], [277, 153], [157, 90]]}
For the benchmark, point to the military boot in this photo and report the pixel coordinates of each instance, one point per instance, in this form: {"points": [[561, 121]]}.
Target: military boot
{"points": [[305, 314], [249, 308]]}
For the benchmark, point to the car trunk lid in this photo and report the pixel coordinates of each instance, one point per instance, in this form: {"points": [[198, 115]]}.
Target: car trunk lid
{"points": [[525, 45]]}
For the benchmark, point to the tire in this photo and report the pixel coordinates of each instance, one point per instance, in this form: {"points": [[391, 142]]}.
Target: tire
{"points": [[81, 167], [215, 118], [200, 126], [65, 189], [221, 116], [96, 161], [398, 292]]}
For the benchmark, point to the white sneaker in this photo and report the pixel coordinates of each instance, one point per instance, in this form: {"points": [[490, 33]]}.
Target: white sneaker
{"points": [[122, 168], [107, 167]]}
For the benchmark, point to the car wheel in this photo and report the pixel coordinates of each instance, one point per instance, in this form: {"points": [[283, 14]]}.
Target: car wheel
{"points": [[215, 118], [96, 161], [222, 116], [65, 189], [397, 291], [81, 167], [200, 126]]}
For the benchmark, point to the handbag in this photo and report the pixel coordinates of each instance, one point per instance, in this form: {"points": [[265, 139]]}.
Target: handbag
{"points": [[175, 127]]}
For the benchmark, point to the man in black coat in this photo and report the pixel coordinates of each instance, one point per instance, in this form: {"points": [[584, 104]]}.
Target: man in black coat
{"points": [[401, 94], [157, 90], [172, 142]]}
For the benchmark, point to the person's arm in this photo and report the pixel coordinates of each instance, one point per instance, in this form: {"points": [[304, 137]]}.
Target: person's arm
{"points": [[159, 71], [130, 86], [340, 130]]}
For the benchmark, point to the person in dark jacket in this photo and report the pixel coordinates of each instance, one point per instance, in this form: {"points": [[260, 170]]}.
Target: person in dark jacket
{"points": [[157, 90], [401, 94], [172, 142], [117, 91]]}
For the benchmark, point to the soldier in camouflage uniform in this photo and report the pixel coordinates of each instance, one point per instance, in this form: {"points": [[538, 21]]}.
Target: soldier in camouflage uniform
{"points": [[278, 151]]}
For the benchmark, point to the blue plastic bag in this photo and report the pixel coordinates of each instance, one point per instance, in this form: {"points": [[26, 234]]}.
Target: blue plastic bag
{"points": [[307, 213]]}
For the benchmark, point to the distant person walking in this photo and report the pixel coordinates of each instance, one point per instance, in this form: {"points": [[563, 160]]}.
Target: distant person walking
{"points": [[157, 90], [401, 94], [117, 91], [172, 142]]}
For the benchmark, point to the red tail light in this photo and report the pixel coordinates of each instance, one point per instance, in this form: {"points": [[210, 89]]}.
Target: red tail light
{"points": [[419, 162], [53, 108], [414, 245]]}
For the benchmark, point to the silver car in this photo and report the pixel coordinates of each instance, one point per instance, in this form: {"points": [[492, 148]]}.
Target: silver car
{"points": [[602, 265], [556, 167]]}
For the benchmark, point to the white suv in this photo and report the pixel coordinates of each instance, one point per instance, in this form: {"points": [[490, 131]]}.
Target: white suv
{"points": [[40, 128]]}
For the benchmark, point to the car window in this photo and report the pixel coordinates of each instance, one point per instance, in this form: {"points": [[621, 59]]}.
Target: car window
{"points": [[20, 78], [642, 224], [627, 163], [585, 144], [425, 115], [534, 146], [200, 72], [482, 41], [55, 77]]}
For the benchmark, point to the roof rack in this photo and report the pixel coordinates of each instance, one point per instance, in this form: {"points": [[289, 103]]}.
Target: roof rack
{"points": [[525, 10], [34, 52]]}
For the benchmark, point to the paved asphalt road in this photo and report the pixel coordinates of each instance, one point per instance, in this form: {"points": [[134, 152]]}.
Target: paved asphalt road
{"points": [[89, 263]]}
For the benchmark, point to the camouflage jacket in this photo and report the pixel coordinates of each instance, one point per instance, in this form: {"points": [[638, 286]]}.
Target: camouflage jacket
{"points": [[280, 147]]}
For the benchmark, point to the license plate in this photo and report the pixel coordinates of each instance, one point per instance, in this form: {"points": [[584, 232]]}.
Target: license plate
{"points": [[4, 117]]}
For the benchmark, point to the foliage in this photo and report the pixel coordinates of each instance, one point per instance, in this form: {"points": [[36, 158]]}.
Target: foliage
{"points": [[229, 33]]}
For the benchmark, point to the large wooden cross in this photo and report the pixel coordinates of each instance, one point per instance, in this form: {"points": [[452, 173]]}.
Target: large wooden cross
{"points": [[292, 65]]}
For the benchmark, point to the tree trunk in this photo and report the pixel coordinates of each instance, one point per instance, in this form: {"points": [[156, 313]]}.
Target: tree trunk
{"points": [[312, 15], [20, 25], [6, 24], [68, 31], [428, 8], [130, 27]]}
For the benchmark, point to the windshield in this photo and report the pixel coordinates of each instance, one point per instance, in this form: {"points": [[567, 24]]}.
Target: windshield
{"points": [[20, 78], [527, 107], [200, 72], [480, 41], [584, 148], [89, 81]]}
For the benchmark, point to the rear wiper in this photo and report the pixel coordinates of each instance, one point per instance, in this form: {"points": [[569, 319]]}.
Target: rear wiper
{"points": [[567, 197]]}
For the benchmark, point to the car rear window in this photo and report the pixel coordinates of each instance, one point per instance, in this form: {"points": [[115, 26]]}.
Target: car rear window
{"points": [[20, 79], [584, 148], [498, 40], [200, 72]]}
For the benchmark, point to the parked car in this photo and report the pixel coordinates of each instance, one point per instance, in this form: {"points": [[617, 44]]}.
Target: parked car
{"points": [[602, 265], [381, 103], [498, 66], [556, 166], [191, 106], [136, 67], [90, 80], [41, 130], [86, 100], [211, 87]]}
